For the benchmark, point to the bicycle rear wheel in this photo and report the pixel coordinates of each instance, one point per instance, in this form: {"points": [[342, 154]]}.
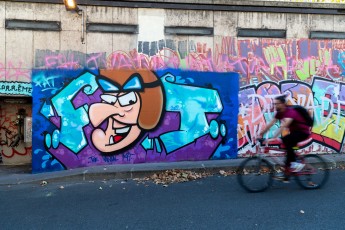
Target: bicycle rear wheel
{"points": [[314, 174], [255, 174]]}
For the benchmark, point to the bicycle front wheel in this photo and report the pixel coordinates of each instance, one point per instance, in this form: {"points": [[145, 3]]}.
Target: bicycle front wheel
{"points": [[314, 174], [255, 174]]}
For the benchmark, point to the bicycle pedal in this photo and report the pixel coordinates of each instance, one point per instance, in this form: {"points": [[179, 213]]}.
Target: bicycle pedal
{"points": [[282, 179], [286, 181], [312, 184], [279, 178]]}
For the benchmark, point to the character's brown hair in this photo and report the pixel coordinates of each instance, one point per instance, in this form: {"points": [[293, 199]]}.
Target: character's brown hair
{"points": [[152, 96]]}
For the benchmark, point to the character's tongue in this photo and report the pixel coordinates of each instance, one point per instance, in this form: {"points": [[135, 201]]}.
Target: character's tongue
{"points": [[118, 138], [120, 134]]}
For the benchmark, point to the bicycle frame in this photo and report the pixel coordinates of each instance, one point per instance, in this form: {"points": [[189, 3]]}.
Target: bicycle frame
{"points": [[256, 173], [266, 151]]}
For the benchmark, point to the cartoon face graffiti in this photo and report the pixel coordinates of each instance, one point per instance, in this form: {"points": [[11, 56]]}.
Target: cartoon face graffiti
{"points": [[132, 101]]}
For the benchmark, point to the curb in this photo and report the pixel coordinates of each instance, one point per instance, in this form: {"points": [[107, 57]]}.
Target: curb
{"points": [[131, 171]]}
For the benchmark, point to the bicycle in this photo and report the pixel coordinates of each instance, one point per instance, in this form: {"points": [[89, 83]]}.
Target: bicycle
{"points": [[256, 173]]}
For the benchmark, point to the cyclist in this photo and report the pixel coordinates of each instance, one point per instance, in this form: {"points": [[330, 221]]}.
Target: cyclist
{"points": [[298, 131]]}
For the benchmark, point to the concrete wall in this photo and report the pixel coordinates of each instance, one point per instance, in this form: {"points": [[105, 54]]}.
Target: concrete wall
{"points": [[261, 63], [20, 46]]}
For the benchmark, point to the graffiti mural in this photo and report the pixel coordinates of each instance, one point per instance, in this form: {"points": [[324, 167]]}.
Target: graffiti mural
{"points": [[256, 60], [310, 71], [322, 97], [14, 149], [14, 71], [94, 117], [69, 60], [140, 104]]}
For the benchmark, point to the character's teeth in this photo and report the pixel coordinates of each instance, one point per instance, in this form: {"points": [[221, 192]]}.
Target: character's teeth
{"points": [[111, 140], [123, 130]]}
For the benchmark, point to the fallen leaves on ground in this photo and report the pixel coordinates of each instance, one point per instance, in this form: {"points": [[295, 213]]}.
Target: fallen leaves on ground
{"points": [[227, 173], [341, 166], [178, 176], [173, 176]]}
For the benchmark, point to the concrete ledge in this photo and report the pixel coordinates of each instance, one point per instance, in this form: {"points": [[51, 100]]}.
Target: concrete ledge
{"points": [[156, 3], [131, 171]]}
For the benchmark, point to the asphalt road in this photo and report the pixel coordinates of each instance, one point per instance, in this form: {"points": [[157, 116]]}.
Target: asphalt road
{"points": [[214, 202]]}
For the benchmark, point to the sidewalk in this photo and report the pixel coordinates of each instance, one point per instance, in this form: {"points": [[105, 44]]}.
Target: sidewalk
{"points": [[19, 174]]}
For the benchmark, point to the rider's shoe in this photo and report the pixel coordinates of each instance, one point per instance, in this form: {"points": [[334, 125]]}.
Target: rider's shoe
{"points": [[282, 177], [296, 167], [286, 180], [279, 176]]}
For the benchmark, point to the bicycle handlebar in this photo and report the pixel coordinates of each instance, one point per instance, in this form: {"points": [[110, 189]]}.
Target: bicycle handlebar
{"points": [[262, 140]]}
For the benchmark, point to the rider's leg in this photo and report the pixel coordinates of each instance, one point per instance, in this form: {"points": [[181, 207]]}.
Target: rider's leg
{"points": [[291, 141]]}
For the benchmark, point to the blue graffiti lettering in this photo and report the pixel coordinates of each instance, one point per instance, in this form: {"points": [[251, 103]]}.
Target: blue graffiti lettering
{"points": [[109, 159], [73, 120], [127, 156], [192, 103], [93, 159]]}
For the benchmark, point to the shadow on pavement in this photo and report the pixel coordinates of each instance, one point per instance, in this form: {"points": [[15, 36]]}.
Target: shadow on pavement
{"points": [[15, 169]]}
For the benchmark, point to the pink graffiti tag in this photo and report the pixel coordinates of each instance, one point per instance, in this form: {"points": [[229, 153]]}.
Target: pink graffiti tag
{"points": [[14, 72]]}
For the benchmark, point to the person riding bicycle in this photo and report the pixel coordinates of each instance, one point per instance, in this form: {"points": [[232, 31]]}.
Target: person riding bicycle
{"points": [[298, 131]]}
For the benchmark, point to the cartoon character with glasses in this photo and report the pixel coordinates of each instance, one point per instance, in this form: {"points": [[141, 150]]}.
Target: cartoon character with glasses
{"points": [[131, 101]]}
